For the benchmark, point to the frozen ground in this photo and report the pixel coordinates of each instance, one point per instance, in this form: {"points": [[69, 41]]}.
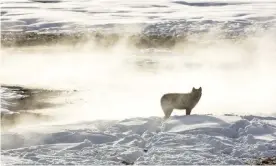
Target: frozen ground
{"points": [[196, 139], [115, 116]]}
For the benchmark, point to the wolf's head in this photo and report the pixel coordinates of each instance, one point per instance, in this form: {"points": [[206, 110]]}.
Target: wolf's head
{"points": [[197, 91]]}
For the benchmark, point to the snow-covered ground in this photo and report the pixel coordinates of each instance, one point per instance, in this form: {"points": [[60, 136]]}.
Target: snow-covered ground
{"points": [[114, 116], [195, 139]]}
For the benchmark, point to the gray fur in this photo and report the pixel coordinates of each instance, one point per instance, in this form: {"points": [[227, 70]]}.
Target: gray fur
{"points": [[180, 101]]}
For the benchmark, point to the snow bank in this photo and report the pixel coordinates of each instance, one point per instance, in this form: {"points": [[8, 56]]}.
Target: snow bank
{"points": [[195, 139]]}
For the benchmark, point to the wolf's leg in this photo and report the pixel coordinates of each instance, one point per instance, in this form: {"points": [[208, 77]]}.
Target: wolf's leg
{"points": [[168, 112], [188, 111]]}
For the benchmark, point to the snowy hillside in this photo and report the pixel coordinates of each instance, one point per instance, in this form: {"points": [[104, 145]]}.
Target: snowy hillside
{"points": [[67, 15]]}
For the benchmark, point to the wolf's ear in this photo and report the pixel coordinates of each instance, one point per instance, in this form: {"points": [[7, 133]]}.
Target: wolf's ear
{"points": [[194, 89], [200, 88]]}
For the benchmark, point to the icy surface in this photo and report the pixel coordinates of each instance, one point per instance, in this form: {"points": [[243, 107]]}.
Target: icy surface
{"points": [[195, 139]]}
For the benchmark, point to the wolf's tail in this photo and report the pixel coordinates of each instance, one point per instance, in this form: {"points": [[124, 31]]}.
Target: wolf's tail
{"points": [[166, 107]]}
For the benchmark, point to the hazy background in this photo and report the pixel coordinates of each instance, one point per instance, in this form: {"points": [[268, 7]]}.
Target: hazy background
{"points": [[120, 82]]}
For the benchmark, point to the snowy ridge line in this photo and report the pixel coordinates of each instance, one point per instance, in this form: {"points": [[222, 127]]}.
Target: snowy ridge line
{"points": [[139, 40], [140, 33], [183, 140], [168, 27]]}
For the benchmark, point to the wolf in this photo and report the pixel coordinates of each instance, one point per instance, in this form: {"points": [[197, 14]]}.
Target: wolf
{"points": [[187, 101]]}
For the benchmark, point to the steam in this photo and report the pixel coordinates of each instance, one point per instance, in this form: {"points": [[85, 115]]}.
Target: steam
{"points": [[236, 77]]}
